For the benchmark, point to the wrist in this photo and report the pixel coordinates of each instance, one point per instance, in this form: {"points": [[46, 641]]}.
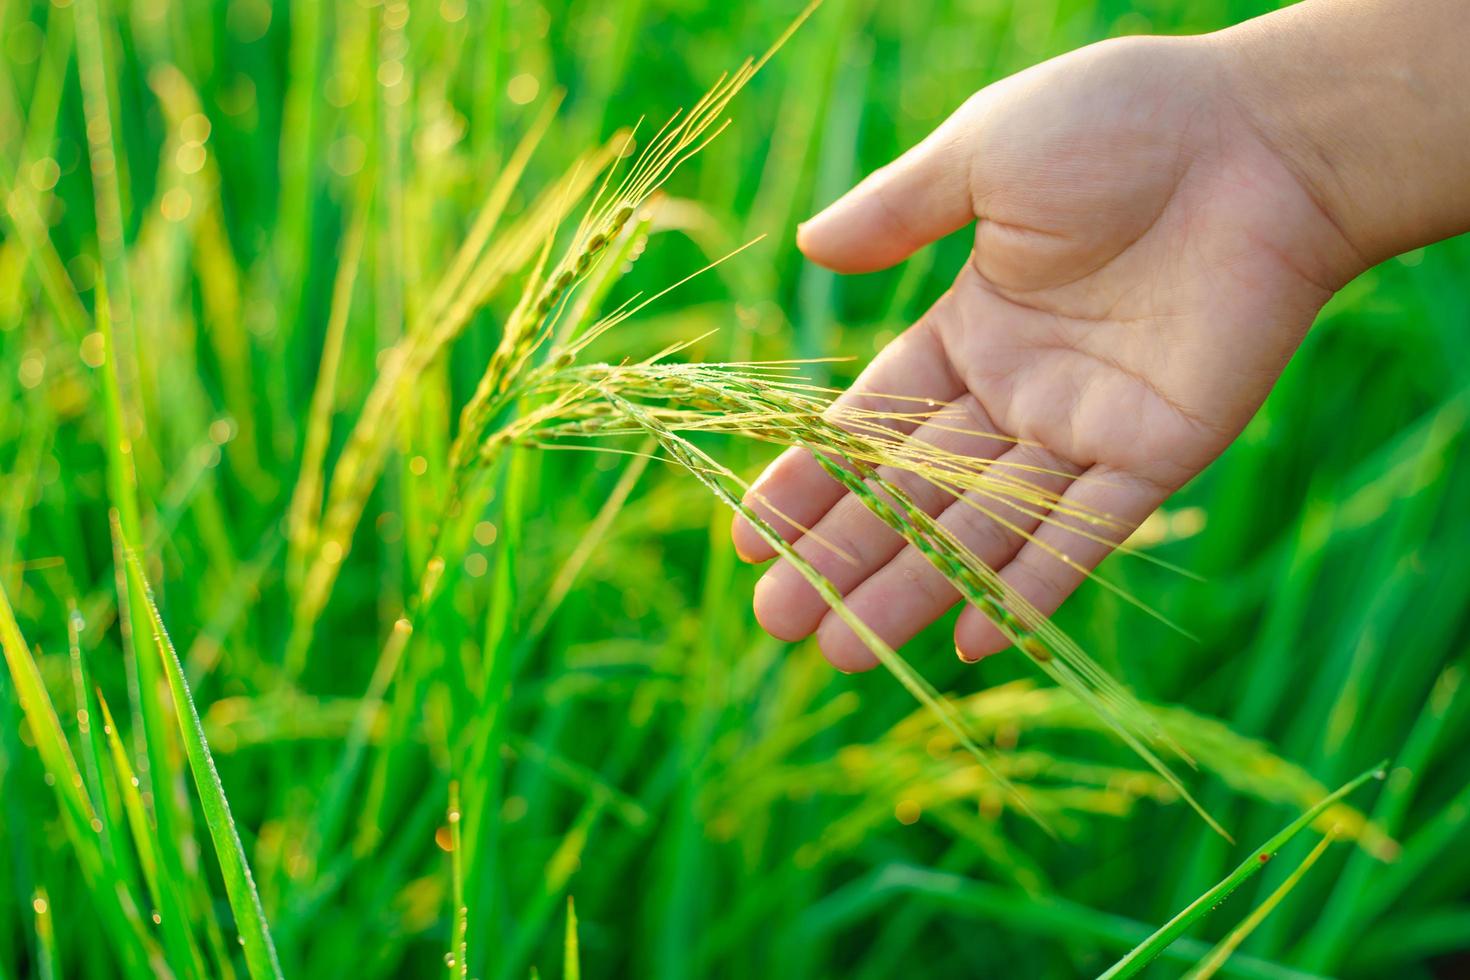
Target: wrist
{"points": [[1362, 102]]}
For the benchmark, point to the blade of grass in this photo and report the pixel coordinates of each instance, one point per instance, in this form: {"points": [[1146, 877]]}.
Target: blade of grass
{"points": [[90, 739], [157, 767], [116, 903], [485, 766], [333, 806], [1144, 952], [538, 909], [579, 779], [48, 957], [1212, 963], [590, 539], [459, 946], [1049, 918], [304, 511], [137, 814], [260, 952], [1354, 890], [125, 436], [1440, 834], [162, 889], [571, 957]]}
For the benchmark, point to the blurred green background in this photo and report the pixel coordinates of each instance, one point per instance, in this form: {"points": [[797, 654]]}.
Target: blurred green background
{"points": [[718, 804]]}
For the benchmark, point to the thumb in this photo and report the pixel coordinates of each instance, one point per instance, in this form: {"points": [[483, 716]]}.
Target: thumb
{"points": [[923, 195]]}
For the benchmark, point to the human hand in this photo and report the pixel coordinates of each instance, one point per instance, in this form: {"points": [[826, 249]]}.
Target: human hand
{"points": [[1145, 263]]}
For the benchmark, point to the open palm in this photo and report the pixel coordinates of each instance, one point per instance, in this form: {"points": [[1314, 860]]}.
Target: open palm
{"points": [[1144, 266]]}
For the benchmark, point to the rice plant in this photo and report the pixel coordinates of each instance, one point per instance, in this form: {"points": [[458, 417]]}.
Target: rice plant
{"points": [[364, 603]]}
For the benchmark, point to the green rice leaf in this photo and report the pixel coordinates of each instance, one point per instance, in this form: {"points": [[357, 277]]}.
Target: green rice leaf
{"points": [[1144, 952], [260, 952], [119, 909], [571, 959], [1211, 964], [459, 945]]}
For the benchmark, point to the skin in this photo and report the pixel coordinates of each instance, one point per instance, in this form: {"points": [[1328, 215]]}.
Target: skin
{"points": [[1157, 223]]}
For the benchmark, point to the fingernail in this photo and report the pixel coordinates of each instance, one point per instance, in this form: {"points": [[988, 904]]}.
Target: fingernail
{"points": [[964, 657]]}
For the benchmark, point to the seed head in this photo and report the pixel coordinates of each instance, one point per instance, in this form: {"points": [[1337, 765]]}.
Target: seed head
{"points": [[1033, 647]]}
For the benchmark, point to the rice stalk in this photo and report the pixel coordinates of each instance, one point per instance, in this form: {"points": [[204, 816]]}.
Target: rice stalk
{"points": [[610, 224], [357, 469], [218, 273], [481, 264], [458, 957], [529, 394], [850, 445], [709, 473], [304, 511], [767, 402], [125, 441], [915, 770]]}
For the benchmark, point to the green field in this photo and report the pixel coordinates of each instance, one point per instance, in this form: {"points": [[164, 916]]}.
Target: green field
{"points": [[453, 682]]}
